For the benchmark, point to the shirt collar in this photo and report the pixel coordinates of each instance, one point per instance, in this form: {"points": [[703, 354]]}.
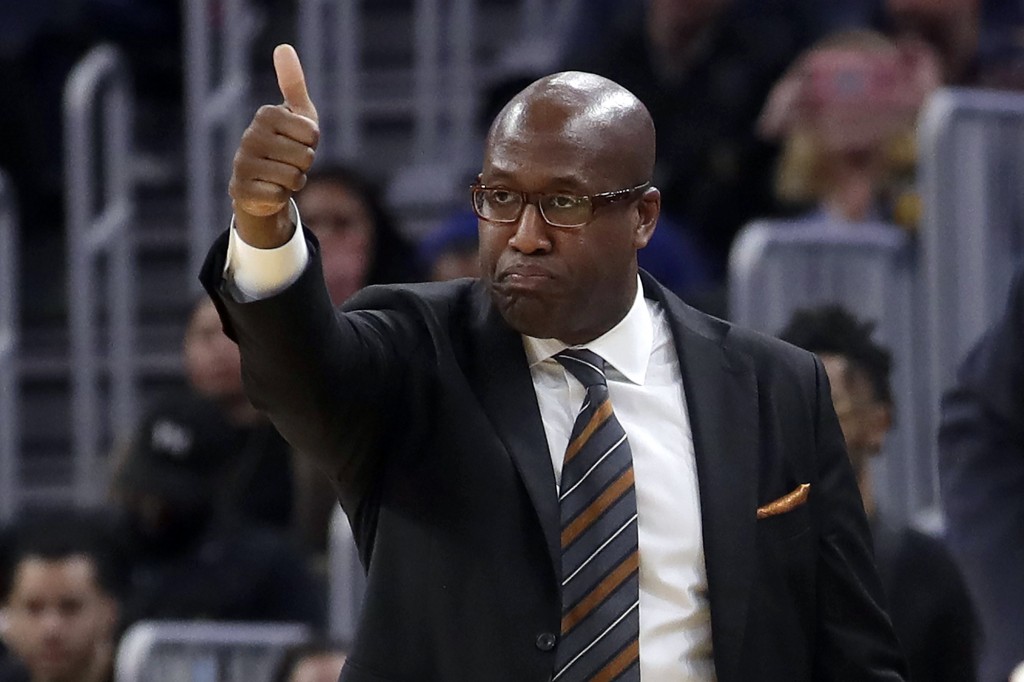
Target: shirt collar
{"points": [[626, 346]]}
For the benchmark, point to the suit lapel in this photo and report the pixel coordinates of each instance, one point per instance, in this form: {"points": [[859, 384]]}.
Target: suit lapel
{"points": [[506, 392], [721, 397]]}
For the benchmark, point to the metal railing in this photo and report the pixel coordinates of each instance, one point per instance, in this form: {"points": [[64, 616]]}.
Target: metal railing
{"points": [[98, 115], [330, 42], [169, 651], [442, 99], [443, 85], [462, 90], [9, 334], [217, 94]]}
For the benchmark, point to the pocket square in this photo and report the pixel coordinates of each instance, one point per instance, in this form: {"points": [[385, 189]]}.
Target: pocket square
{"points": [[787, 502]]}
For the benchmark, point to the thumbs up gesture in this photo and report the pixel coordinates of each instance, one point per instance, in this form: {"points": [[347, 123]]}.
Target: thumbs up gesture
{"points": [[276, 151]]}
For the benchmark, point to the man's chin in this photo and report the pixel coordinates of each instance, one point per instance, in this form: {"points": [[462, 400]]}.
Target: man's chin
{"points": [[527, 315], [56, 668]]}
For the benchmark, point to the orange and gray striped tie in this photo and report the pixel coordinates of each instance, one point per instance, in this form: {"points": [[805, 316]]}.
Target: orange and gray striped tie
{"points": [[600, 560]]}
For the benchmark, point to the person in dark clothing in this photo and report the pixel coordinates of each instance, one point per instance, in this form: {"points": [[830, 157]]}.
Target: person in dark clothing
{"points": [[928, 599], [261, 486], [193, 556], [981, 470], [62, 585]]}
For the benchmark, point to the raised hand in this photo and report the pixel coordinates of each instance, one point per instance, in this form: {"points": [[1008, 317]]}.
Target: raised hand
{"points": [[276, 151]]}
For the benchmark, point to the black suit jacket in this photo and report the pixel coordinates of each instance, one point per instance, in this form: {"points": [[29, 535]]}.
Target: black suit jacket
{"points": [[418, 402]]}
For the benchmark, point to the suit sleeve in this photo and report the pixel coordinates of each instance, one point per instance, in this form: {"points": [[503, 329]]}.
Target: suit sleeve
{"points": [[328, 379], [855, 639], [981, 467]]}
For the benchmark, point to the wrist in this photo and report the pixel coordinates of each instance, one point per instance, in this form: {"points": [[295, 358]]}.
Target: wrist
{"points": [[265, 232]]}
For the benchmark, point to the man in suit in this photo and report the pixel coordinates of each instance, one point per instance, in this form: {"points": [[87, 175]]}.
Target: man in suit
{"points": [[558, 471], [981, 468]]}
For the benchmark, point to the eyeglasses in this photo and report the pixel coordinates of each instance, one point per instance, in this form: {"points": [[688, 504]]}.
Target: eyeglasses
{"points": [[503, 205]]}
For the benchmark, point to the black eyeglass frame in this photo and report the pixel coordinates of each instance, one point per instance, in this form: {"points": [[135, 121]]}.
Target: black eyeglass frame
{"points": [[596, 201]]}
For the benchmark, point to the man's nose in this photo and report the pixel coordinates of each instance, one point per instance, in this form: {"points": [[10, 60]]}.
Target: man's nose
{"points": [[52, 623], [531, 235]]}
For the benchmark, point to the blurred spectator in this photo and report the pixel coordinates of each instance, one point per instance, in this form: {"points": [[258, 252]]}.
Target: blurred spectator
{"points": [[1001, 45], [319, 661], [848, 14], [928, 600], [262, 487], [703, 68], [450, 251], [192, 557], [981, 469], [359, 242], [61, 599], [213, 367], [978, 42], [950, 27], [846, 112]]}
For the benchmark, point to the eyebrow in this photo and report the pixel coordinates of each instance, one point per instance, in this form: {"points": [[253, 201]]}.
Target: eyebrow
{"points": [[572, 182]]}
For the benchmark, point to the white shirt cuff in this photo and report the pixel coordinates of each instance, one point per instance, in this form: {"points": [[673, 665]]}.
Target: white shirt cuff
{"points": [[253, 274]]}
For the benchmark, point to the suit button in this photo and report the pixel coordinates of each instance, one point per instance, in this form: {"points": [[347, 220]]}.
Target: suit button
{"points": [[546, 641]]}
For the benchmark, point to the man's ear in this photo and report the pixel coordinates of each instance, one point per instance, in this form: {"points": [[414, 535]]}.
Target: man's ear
{"points": [[648, 210]]}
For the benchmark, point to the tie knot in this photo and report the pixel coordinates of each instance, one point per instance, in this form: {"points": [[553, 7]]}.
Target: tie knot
{"points": [[587, 366]]}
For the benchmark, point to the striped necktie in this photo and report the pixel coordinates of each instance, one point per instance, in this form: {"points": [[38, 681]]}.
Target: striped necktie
{"points": [[600, 560]]}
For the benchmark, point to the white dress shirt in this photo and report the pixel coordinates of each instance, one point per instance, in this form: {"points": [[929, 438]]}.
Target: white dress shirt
{"points": [[646, 391], [253, 273], [645, 388]]}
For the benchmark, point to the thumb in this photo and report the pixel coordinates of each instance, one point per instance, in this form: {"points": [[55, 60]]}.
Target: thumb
{"points": [[292, 82]]}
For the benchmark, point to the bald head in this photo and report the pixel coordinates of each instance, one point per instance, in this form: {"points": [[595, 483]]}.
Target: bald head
{"points": [[604, 121]]}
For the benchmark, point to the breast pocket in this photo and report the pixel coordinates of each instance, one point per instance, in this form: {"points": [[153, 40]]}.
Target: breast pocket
{"points": [[784, 527]]}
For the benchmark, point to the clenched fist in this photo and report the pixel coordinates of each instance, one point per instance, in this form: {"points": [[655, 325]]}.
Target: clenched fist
{"points": [[276, 151]]}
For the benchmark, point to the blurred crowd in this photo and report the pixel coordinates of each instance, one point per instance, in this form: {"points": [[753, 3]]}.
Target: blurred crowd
{"points": [[786, 108]]}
